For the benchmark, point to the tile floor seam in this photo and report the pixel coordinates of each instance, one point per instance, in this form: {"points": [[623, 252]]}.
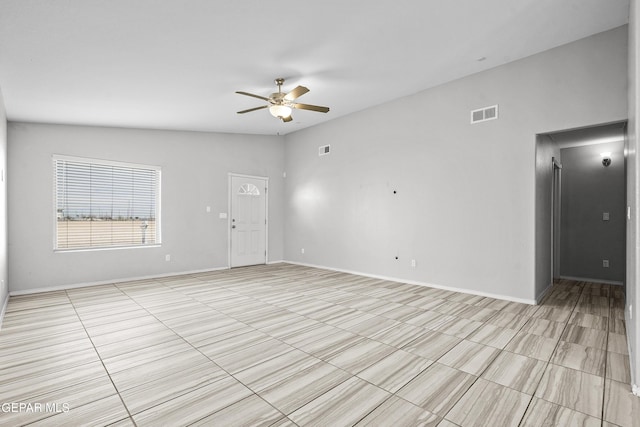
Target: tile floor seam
{"points": [[324, 361], [198, 350], [213, 413], [487, 367], [606, 359], [461, 339], [256, 329], [373, 410], [101, 361], [548, 362], [323, 283], [314, 356]]}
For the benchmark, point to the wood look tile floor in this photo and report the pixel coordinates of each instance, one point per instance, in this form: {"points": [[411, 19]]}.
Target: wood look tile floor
{"points": [[286, 345]]}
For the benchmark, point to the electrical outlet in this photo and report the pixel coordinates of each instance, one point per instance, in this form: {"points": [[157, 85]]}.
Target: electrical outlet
{"points": [[605, 216], [413, 263], [605, 263], [302, 250], [167, 257]]}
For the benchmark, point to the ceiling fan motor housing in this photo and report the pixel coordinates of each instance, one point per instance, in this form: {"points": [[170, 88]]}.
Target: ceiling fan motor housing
{"points": [[277, 98]]}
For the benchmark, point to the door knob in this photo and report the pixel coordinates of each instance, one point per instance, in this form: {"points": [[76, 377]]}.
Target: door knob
{"points": [[233, 226]]}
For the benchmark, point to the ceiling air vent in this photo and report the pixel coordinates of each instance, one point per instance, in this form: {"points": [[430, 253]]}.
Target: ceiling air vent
{"points": [[484, 114], [324, 150]]}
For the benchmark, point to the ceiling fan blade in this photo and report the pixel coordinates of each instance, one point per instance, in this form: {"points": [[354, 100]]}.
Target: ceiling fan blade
{"points": [[299, 91], [251, 94], [287, 119], [311, 107], [252, 109]]}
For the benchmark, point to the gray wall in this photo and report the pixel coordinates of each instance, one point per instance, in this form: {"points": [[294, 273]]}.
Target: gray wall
{"points": [[194, 175], [465, 202], [546, 150], [632, 311], [4, 279], [588, 190]]}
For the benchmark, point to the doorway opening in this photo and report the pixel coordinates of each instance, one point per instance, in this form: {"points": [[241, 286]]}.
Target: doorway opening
{"points": [[581, 206], [556, 214]]}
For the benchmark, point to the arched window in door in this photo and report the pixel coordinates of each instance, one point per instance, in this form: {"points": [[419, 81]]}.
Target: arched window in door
{"points": [[249, 189]]}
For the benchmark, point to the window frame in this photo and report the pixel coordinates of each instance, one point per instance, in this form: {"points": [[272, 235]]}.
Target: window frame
{"points": [[104, 162]]}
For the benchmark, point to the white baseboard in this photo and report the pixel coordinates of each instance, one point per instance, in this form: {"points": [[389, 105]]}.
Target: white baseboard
{"points": [[3, 310], [588, 279], [126, 279], [414, 282], [109, 282], [359, 273]]}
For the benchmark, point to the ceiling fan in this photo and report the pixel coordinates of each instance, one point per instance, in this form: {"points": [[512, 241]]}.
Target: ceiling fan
{"points": [[281, 104]]}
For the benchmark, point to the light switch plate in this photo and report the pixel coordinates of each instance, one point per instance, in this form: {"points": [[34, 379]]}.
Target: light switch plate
{"points": [[605, 216], [222, 215]]}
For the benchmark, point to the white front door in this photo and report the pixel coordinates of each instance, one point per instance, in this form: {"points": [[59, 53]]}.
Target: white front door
{"points": [[248, 220]]}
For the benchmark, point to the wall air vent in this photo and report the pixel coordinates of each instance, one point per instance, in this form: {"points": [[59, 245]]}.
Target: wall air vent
{"points": [[324, 150], [484, 114]]}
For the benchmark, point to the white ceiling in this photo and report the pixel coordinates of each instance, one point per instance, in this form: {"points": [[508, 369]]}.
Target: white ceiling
{"points": [[175, 64]]}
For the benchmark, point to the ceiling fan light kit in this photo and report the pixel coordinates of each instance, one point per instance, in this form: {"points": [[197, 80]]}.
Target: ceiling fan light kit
{"points": [[281, 105], [280, 111]]}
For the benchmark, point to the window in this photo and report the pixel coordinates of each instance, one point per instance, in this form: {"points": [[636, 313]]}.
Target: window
{"points": [[249, 189], [102, 204]]}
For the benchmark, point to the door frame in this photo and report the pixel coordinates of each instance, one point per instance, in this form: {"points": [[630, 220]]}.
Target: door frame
{"points": [[556, 215], [231, 175]]}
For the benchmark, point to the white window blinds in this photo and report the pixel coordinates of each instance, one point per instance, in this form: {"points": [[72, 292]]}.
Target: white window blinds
{"points": [[101, 204]]}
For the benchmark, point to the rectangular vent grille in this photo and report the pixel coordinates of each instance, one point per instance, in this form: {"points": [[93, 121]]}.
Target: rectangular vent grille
{"points": [[324, 150], [484, 114]]}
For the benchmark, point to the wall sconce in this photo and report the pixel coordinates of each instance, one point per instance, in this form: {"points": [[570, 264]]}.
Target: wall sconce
{"points": [[606, 158]]}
